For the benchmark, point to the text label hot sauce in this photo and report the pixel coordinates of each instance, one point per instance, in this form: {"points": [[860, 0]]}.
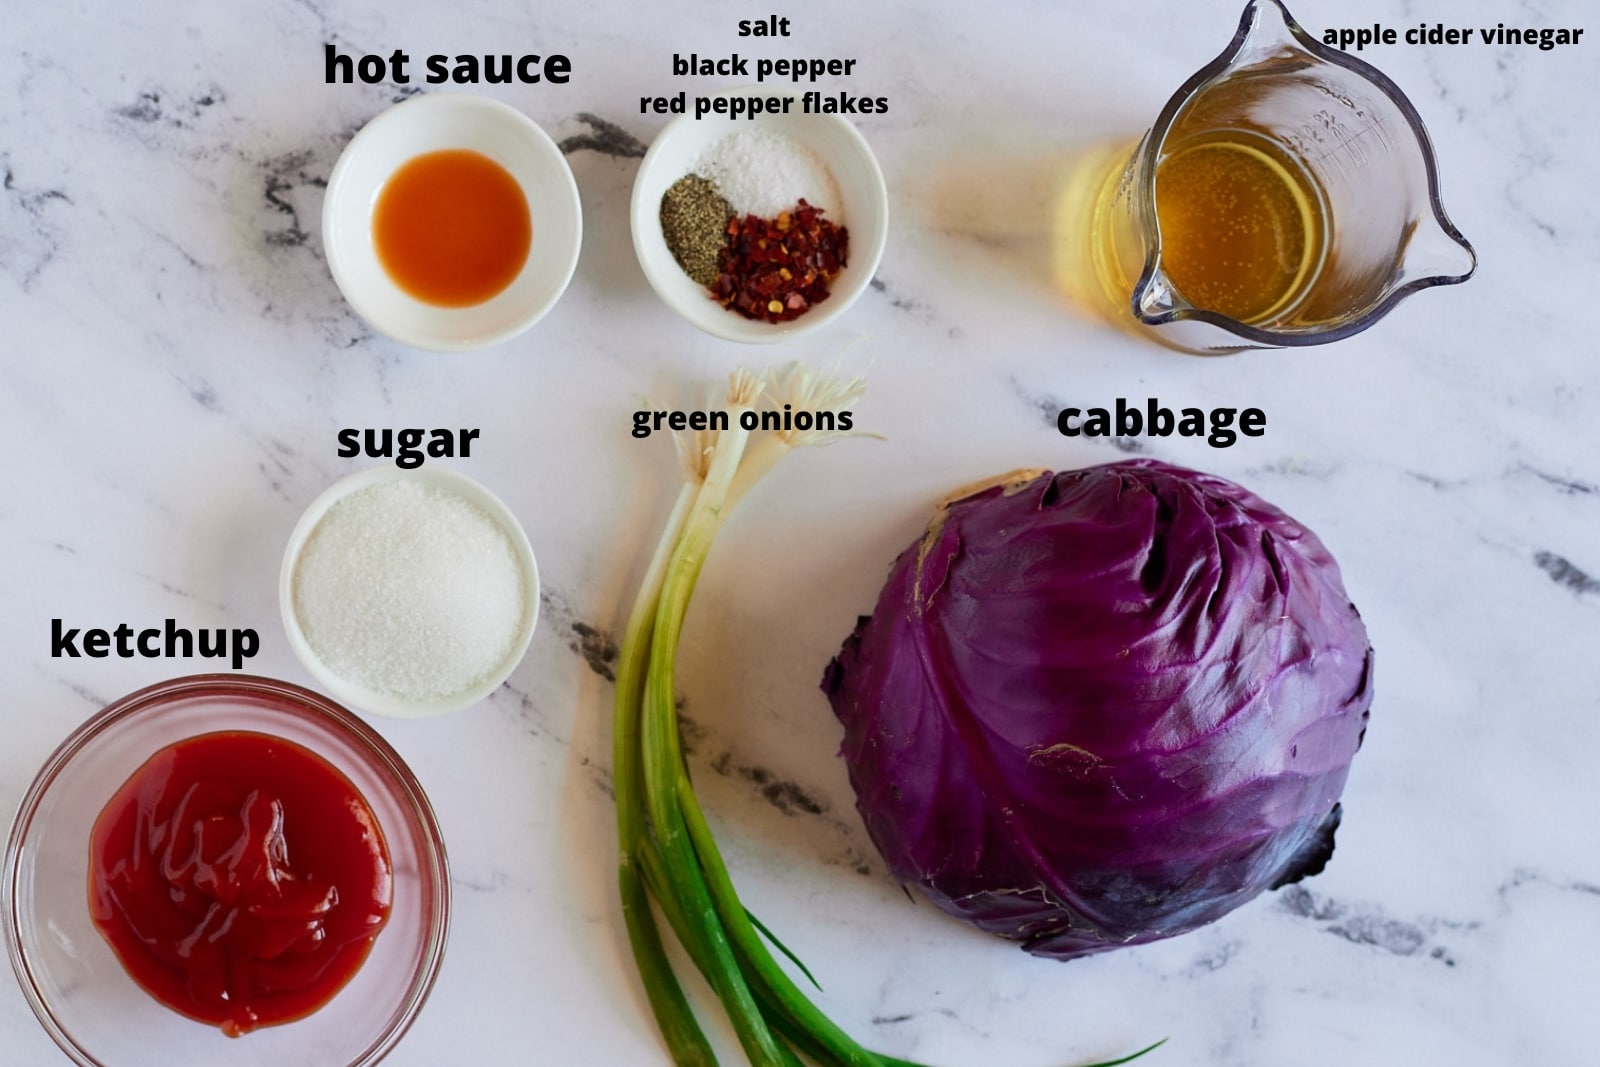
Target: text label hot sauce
{"points": [[240, 879]]}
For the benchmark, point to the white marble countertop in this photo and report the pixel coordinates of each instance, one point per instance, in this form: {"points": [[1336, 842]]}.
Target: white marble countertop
{"points": [[177, 361]]}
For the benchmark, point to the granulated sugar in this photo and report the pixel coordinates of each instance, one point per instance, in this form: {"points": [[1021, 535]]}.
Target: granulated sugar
{"points": [[409, 590], [762, 172]]}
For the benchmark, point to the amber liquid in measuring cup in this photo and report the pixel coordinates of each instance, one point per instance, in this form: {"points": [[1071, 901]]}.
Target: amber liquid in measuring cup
{"points": [[1244, 224]]}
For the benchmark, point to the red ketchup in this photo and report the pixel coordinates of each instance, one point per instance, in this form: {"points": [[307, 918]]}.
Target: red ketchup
{"points": [[240, 879]]}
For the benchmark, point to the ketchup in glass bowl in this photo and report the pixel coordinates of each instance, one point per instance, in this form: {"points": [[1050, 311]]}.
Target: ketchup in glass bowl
{"points": [[240, 879], [224, 868]]}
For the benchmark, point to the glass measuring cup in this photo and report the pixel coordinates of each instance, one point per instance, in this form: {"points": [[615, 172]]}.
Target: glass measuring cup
{"points": [[1287, 195]]}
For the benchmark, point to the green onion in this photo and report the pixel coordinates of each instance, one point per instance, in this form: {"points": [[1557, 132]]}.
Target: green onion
{"points": [[667, 851]]}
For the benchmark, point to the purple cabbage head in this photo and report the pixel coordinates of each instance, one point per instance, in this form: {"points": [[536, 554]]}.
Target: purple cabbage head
{"points": [[1106, 706]]}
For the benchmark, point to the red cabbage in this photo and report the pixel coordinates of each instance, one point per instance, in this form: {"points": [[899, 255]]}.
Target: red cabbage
{"points": [[1106, 706]]}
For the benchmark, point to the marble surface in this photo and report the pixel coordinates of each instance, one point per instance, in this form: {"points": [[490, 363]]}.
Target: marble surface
{"points": [[177, 361]]}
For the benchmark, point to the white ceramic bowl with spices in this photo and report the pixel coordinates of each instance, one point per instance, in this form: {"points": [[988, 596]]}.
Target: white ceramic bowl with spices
{"points": [[409, 593], [863, 210], [444, 122]]}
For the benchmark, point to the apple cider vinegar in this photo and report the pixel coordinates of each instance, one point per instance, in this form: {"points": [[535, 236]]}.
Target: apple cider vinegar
{"points": [[1243, 225]]}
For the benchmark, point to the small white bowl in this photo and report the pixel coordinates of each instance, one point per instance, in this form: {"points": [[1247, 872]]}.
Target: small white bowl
{"points": [[428, 124], [366, 699], [864, 211]]}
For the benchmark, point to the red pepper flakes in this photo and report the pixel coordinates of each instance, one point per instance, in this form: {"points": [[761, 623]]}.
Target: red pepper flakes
{"points": [[776, 269]]}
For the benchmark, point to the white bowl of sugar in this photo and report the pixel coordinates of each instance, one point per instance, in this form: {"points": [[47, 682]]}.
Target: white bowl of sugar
{"points": [[850, 176], [409, 593]]}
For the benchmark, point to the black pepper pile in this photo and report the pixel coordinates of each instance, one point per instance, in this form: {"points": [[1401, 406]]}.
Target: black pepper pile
{"points": [[694, 220]]}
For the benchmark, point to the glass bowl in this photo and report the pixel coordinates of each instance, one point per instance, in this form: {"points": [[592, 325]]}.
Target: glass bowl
{"points": [[71, 978]]}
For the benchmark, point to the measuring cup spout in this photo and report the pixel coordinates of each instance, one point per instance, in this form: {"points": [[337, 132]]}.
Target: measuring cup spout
{"points": [[1155, 302], [1265, 27], [1435, 254]]}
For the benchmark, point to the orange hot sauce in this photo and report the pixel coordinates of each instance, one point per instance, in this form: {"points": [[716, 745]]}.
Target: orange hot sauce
{"points": [[452, 228]]}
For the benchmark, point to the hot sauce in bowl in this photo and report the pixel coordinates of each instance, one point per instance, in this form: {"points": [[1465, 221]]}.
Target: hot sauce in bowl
{"points": [[452, 228], [430, 217], [239, 878]]}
